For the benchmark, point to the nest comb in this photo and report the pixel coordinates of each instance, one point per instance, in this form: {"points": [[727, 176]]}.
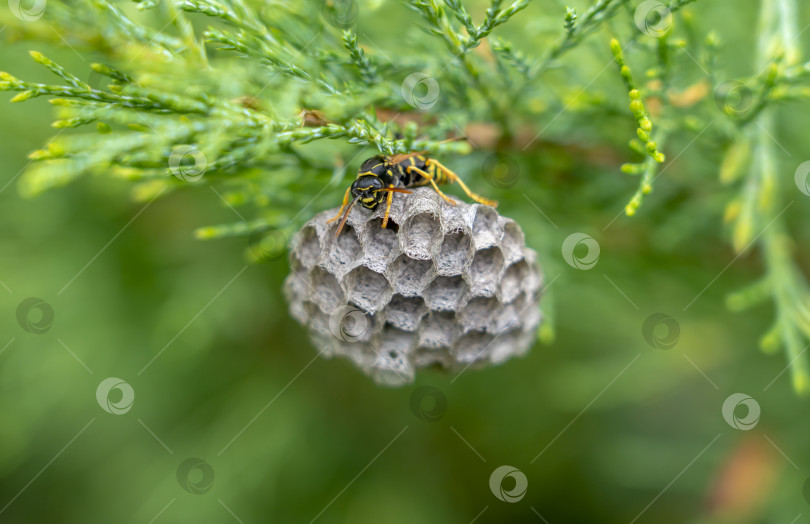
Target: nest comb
{"points": [[442, 285]]}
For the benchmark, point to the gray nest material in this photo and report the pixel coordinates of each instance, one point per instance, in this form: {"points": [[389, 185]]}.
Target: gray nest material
{"points": [[443, 285]]}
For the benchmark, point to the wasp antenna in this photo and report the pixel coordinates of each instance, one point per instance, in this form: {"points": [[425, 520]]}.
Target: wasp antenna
{"points": [[395, 190], [396, 159], [346, 216]]}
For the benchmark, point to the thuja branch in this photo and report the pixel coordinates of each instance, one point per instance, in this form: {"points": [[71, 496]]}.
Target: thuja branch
{"points": [[645, 145], [759, 212]]}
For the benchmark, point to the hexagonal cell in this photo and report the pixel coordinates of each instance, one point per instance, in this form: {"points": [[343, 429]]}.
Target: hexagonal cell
{"points": [[394, 340], [345, 252], [361, 355], [503, 347], [527, 297], [478, 314], [298, 309], [438, 330], [513, 280], [472, 347], [419, 234], [318, 320], [485, 270], [405, 312], [411, 276], [455, 254], [380, 244], [446, 293], [308, 248], [457, 218], [325, 290], [507, 318], [367, 290], [532, 316], [296, 285], [486, 230], [429, 356], [512, 241], [295, 263], [534, 280], [392, 366], [350, 324]]}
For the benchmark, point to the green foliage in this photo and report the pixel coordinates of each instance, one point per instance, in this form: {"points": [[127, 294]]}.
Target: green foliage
{"points": [[757, 213], [231, 91], [645, 144]]}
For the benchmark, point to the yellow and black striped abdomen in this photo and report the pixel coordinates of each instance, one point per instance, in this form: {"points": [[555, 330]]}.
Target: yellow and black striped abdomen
{"points": [[438, 174], [412, 178]]}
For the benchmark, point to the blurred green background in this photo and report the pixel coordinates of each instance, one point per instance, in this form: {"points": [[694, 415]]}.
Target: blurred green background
{"points": [[605, 427]]}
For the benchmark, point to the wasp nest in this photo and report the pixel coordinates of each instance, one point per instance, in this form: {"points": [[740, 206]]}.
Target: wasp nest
{"points": [[445, 285]]}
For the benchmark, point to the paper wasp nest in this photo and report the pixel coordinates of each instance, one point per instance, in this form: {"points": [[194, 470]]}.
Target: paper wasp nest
{"points": [[452, 286]]}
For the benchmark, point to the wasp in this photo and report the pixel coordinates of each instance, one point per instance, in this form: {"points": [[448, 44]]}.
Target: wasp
{"points": [[381, 176]]}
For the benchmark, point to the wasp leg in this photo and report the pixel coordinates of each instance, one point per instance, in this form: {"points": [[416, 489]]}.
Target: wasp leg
{"points": [[342, 207], [455, 178], [388, 202], [427, 176]]}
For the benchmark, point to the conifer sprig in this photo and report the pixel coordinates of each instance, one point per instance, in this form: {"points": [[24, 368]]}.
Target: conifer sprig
{"points": [[267, 101]]}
